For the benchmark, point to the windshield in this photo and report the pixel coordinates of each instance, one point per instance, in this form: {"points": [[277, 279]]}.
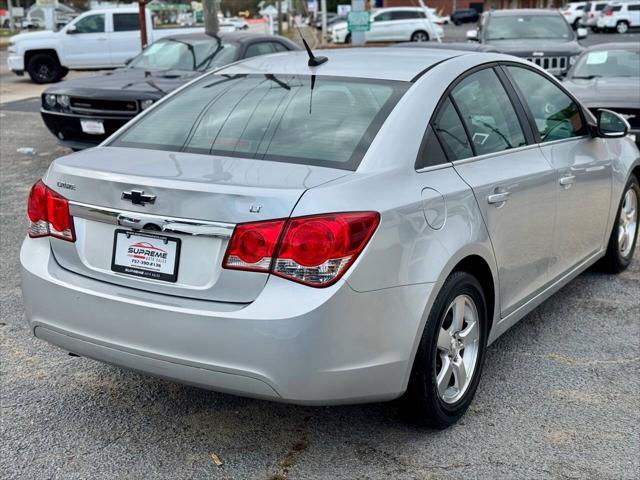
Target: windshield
{"points": [[185, 54], [528, 27], [326, 121], [608, 63]]}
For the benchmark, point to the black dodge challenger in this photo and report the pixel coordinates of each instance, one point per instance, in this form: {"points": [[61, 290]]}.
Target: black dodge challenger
{"points": [[85, 111]]}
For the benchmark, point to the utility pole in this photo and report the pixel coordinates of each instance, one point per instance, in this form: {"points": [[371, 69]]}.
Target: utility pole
{"points": [[279, 17], [210, 11], [323, 6], [142, 14], [12, 21]]}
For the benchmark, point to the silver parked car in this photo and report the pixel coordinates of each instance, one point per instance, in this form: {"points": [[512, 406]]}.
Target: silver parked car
{"points": [[348, 232]]}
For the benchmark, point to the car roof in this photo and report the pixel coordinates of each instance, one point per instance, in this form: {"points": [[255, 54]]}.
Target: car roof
{"points": [[459, 46], [402, 64], [522, 11]]}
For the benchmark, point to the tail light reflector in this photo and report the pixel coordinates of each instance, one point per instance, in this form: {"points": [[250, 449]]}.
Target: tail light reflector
{"points": [[608, 13], [48, 214], [314, 250]]}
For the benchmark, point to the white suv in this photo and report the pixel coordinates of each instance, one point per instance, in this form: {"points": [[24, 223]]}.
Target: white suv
{"points": [[591, 12], [620, 17], [399, 24], [572, 13]]}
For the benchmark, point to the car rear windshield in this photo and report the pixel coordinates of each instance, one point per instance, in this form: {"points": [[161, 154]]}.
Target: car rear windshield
{"points": [[315, 120]]}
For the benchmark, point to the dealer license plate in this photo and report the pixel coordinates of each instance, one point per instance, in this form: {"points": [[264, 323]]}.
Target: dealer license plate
{"points": [[92, 127], [146, 255]]}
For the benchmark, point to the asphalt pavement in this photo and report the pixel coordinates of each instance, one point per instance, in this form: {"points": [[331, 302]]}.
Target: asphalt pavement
{"points": [[558, 398]]}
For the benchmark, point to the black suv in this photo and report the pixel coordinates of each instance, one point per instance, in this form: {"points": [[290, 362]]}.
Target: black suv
{"points": [[464, 15], [541, 36]]}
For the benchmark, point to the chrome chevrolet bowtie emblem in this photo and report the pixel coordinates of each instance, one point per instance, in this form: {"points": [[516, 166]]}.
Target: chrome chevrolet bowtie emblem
{"points": [[138, 197]]}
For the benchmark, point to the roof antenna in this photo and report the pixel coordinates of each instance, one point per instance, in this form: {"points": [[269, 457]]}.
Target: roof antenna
{"points": [[313, 60]]}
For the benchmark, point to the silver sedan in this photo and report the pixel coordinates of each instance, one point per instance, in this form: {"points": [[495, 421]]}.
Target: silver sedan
{"points": [[354, 231]]}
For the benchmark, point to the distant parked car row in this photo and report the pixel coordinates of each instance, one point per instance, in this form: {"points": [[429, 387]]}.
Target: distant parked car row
{"points": [[607, 16]]}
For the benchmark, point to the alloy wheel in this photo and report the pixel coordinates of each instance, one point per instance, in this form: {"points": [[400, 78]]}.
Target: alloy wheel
{"points": [[44, 72], [628, 223], [622, 27], [420, 37], [457, 349]]}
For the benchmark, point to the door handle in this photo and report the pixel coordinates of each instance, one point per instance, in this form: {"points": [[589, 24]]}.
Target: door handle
{"points": [[498, 198], [567, 180]]}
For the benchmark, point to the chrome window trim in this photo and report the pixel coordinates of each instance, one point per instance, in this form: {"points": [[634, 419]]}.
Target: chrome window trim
{"points": [[132, 220]]}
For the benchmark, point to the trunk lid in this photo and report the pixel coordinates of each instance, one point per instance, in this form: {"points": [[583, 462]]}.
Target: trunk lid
{"points": [[198, 200]]}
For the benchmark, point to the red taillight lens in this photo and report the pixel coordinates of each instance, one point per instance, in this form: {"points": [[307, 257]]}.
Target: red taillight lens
{"points": [[37, 210], [315, 250], [252, 246], [48, 214], [608, 13]]}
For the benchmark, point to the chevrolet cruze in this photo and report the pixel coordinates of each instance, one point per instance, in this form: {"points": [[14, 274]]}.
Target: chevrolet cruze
{"points": [[351, 231]]}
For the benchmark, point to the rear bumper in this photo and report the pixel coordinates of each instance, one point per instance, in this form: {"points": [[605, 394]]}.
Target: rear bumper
{"points": [[69, 132], [293, 343]]}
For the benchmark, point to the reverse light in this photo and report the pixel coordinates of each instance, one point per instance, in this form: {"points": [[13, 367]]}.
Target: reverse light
{"points": [[48, 214], [314, 250]]}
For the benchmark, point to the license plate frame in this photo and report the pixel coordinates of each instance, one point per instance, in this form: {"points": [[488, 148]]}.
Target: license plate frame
{"points": [[92, 127], [146, 262]]}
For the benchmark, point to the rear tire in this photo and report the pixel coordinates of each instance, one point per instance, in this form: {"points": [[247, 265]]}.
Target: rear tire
{"points": [[622, 27], [44, 68], [448, 364], [347, 39], [420, 36], [624, 236]]}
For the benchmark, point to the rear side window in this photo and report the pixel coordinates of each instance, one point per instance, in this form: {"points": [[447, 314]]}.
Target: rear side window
{"points": [[451, 133], [406, 15], [488, 114], [271, 117], [600, 6], [556, 115], [431, 152], [126, 22], [633, 8]]}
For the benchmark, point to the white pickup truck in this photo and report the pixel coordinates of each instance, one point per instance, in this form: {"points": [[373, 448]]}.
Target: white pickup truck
{"points": [[97, 39]]}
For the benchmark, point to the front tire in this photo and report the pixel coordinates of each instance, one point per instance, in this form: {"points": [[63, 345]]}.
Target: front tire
{"points": [[622, 243], [420, 36], [447, 367], [44, 68]]}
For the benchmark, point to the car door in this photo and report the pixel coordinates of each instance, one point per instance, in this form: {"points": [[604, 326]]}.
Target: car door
{"points": [[124, 41], [487, 134], [85, 43], [582, 165], [381, 25]]}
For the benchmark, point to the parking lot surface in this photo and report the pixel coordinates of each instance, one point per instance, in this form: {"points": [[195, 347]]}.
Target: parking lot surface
{"points": [[558, 398]]}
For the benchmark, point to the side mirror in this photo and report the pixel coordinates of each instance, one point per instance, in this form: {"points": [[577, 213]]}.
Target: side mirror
{"points": [[611, 124], [472, 35], [582, 33], [71, 29]]}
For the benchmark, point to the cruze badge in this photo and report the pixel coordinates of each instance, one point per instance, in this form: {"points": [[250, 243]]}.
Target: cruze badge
{"points": [[138, 197]]}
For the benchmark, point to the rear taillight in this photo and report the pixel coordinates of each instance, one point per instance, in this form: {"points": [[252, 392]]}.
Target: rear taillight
{"points": [[48, 214], [608, 13], [315, 250]]}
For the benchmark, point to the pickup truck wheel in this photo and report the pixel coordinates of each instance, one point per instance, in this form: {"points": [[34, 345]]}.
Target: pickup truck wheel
{"points": [[44, 68], [622, 27]]}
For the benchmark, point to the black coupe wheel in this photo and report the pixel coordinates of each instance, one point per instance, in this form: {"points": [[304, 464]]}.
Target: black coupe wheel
{"points": [[44, 68], [448, 363]]}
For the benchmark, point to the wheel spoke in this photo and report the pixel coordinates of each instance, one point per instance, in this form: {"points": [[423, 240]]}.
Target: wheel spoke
{"points": [[444, 340], [459, 306], [444, 377], [459, 373], [469, 335]]}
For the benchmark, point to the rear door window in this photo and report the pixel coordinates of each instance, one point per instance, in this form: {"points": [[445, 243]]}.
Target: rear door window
{"points": [[488, 113], [270, 117], [126, 22]]}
